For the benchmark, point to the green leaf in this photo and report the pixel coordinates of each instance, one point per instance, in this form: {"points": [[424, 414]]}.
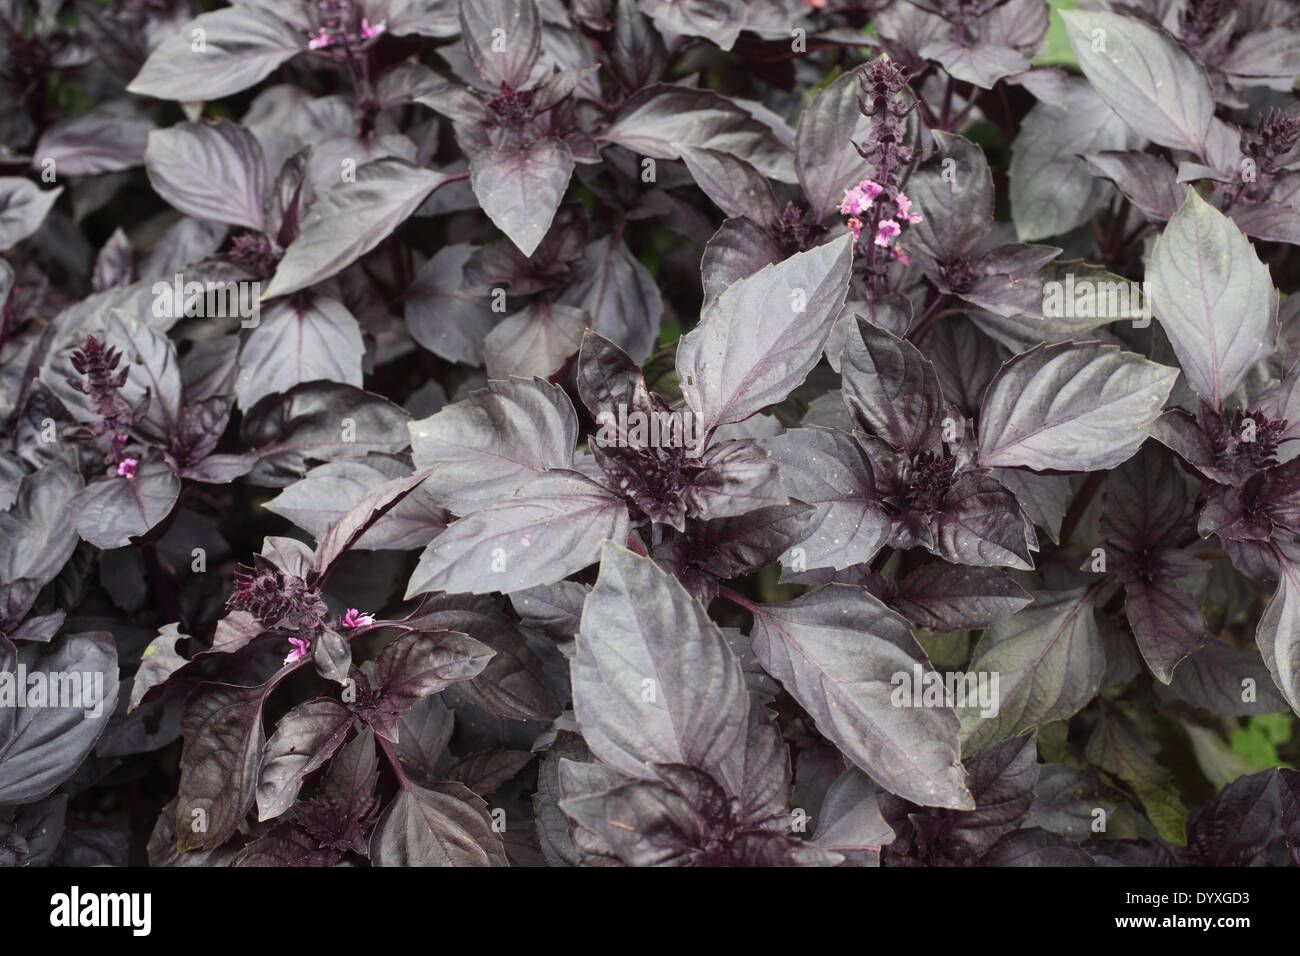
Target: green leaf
{"points": [[1220, 763], [1119, 747], [1049, 661], [1257, 741], [1056, 45]]}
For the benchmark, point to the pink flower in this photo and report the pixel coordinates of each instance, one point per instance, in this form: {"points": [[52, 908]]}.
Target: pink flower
{"points": [[856, 225], [859, 198], [898, 253], [320, 40], [905, 209], [368, 31], [126, 467], [355, 618], [887, 231], [301, 648]]}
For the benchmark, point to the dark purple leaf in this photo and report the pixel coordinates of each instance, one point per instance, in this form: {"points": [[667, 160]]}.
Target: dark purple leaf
{"points": [[653, 679], [37, 534], [1035, 847], [329, 492], [1145, 77], [736, 187], [1241, 825], [1278, 634], [23, 207], [418, 664], [950, 597], [850, 822], [1166, 622], [551, 527], [1213, 297], [423, 732], [1147, 181], [93, 144], [825, 468], [736, 251], [319, 421], [159, 662], [362, 518], [637, 57], [234, 49], [55, 702], [446, 316], [891, 389], [424, 827], [304, 739], [1052, 190], [954, 192], [534, 342], [758, 341], [210, 171], [737, 477], [717, 20], [110, 512], [520, 188], [1224, 679], [838, 652], [503, 39], [825, 158], [1272, 222], [741, 544], [302, 339], [493, 442], [1070, 407], [486, 772], [222, 725], [657, 119], [351, 218], [619, 295]]}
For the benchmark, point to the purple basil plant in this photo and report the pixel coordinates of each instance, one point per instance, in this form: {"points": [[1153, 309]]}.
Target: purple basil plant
{"points": [[649, 432]]}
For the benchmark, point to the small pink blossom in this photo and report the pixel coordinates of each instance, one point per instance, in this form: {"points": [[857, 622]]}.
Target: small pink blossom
{"points": [[368, 31], [355, 618], [320, 40], [301, 648], [905, 209], [126, 467], [887, 231], [898, 253], [859, 198], [856, 225]]}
